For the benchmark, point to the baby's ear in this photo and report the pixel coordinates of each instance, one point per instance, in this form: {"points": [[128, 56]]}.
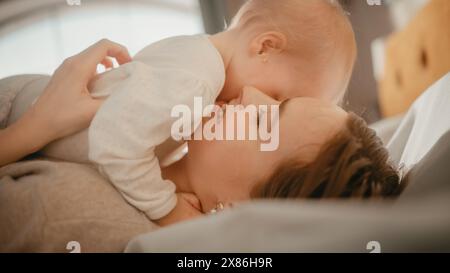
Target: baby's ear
{"points": [[269, 42]]}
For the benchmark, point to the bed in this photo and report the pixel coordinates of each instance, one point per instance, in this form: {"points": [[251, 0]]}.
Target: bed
{"points": [[47, 205]]}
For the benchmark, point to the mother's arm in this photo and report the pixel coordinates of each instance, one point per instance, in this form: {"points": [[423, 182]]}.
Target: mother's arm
{"points": [[65, 106]]}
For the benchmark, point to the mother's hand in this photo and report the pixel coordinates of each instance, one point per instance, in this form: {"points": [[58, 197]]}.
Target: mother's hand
{"points": [[64, 107]]}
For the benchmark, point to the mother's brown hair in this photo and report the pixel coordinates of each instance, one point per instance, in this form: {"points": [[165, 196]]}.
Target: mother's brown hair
{"points": [[353, 164]]}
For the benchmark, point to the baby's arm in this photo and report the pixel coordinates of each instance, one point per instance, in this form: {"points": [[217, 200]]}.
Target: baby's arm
{"points": [[131, 123]]}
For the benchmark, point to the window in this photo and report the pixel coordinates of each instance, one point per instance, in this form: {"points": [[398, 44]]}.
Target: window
{"points": [[39, 40]]}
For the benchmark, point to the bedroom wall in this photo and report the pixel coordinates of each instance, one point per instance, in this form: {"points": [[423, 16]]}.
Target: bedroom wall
{"points": [[369, 23]]}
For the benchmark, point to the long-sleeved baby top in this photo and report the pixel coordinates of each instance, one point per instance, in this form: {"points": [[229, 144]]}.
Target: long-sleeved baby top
{"points": [[136, 116]]}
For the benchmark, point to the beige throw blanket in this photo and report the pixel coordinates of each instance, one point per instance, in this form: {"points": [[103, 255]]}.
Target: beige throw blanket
{"points": [[45, 204]]}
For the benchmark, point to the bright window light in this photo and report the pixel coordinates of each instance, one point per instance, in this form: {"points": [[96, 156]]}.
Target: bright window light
{"points": [[38, 42]]}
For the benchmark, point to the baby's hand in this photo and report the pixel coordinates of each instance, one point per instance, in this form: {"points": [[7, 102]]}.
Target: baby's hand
{"points": [[188, 207]]}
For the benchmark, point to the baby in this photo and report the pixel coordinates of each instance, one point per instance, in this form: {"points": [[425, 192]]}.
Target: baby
{"points": [[286, 48]]}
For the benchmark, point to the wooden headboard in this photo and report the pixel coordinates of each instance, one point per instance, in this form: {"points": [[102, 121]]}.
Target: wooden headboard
{"points": [[416, 57]]}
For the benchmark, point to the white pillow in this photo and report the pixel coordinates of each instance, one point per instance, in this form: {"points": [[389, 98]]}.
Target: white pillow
{"points": [[425, 123]]}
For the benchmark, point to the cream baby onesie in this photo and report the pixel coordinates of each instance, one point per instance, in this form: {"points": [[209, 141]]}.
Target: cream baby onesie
{"points": [[136, 116]]}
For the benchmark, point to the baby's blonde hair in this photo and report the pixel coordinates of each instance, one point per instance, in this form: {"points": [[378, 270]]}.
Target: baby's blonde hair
{"points": [[316, 29], [299, 20]]}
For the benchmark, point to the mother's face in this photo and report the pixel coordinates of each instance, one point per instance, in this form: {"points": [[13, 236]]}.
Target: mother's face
{"points": [[226, 171]]}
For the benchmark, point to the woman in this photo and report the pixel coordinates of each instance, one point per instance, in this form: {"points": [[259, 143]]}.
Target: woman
{"points": [[324, 152]]}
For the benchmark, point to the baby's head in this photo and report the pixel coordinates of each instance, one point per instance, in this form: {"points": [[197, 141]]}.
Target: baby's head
{"points": [[291, 48]]}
